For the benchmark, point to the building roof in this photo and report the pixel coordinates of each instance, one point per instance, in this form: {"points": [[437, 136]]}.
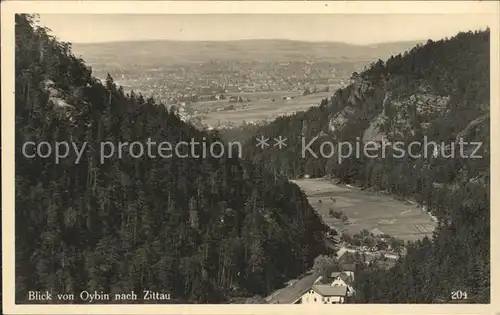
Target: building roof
{"points": [[323, 280], [345, 277], [350, 258], [342, 275], [348, 267], [328, 290], [376, 231]]}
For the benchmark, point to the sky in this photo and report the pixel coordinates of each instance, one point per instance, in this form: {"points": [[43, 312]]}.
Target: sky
{"points": [[348, 28]]}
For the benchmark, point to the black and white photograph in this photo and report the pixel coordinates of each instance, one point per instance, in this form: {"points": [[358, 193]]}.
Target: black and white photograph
{"points": [[249, 158]]}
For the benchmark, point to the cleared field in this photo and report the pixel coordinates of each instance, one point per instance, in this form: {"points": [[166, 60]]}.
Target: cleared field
{"points": [[367, 210], [260, 106]]}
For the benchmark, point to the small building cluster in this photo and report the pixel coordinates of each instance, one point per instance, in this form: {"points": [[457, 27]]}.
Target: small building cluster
{"points": [[334, 289]]}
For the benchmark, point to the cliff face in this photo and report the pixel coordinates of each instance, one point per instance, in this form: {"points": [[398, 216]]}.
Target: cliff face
{"points": [[341, 119], [354, 106], [434, 90], [427, 95], [392, 115]]}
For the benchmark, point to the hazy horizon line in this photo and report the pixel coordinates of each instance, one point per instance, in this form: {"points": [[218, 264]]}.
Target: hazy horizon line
{"points": [[248, 40], [421, 40]]}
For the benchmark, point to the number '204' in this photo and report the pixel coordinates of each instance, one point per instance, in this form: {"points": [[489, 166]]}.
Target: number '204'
{"points": [[458, 295]]}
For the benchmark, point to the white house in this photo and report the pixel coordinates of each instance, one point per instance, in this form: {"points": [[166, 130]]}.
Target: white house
{"points": [[344, 279], [324, 294]]}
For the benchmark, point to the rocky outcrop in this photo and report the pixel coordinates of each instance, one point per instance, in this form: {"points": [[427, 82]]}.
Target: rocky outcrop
{"points": [[402, 111], [475, 128], [353, 103], [375, 131], [360, 89], [340, 119], [58, 99], [429, 106], [55, 95]]}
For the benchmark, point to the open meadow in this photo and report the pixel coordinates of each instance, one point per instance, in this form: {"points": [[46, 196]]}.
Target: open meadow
{"points": [[366, 210], [260, 106]]}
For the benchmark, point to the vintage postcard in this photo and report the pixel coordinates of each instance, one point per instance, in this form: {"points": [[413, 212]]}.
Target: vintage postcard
{"points": [[296, 157]]}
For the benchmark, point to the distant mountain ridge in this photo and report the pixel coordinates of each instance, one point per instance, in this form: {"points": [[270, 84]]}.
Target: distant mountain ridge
{"points": [[273, 50]]}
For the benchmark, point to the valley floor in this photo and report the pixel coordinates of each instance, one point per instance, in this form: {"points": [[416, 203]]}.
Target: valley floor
{"points": [[367, 210], [261, 107]]}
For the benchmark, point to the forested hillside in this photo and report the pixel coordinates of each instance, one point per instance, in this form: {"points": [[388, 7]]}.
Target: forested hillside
{"points": [[202, 229], [439, 90]]}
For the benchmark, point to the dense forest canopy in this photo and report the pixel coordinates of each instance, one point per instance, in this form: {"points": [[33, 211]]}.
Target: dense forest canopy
{"points": [[202, 229]]}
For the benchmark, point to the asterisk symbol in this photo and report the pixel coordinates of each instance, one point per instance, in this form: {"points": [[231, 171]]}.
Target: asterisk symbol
{"points": [[262, 142], [280, 142]]}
